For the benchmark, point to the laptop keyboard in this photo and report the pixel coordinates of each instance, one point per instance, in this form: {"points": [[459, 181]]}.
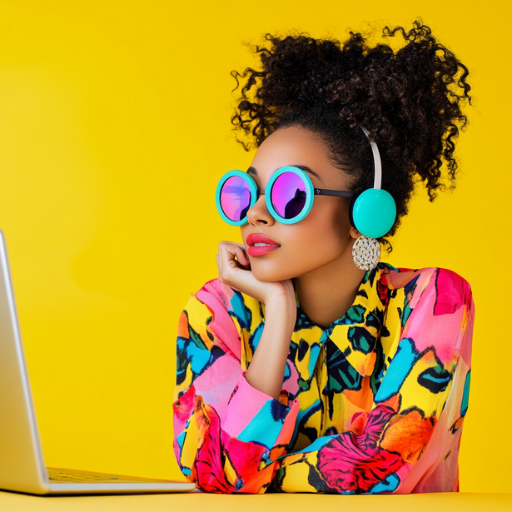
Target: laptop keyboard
{"points": [[77, 476]]}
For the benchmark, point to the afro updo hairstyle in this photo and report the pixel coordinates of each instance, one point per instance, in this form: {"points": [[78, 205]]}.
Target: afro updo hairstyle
{"points": [[410, 102]]}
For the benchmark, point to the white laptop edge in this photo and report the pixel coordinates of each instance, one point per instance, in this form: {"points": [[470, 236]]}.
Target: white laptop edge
{"points": [[22, 467]]}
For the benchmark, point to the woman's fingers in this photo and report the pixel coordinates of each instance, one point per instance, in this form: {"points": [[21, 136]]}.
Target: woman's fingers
{"points": [[241, 256], [228, 251], [228, 266]]}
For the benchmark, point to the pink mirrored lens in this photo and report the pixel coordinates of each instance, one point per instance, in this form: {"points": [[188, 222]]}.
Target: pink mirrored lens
{"points": [[288, 195], [235, 198]]}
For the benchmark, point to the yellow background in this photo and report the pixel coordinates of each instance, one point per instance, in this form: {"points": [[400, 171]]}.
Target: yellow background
{"points": [[114, 129]]}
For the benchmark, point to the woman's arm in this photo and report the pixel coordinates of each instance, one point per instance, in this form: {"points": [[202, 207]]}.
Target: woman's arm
{"points": [[266, 371], [228, 434]]}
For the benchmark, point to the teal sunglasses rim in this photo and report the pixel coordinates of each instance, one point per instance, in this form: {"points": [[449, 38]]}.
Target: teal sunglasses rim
{"points": [[310, 193], [254, 195]]}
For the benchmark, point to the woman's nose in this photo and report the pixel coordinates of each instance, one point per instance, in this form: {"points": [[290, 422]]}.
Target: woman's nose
{"points": [[259, 213]]}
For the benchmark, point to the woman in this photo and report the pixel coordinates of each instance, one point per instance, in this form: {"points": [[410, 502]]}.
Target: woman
{"points": [[308, 365]]}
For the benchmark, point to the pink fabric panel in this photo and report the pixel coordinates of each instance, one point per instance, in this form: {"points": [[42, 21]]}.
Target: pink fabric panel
{"points": [[218, 381], [444, 331], [222, 325], [243, 406]]}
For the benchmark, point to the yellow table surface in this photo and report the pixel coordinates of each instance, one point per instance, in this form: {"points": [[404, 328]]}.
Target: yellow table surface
{"points": [[197, 501]]}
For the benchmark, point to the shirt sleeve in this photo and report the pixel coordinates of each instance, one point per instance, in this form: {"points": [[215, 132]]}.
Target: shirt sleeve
{"points": [[409, 440], [227, 434]]}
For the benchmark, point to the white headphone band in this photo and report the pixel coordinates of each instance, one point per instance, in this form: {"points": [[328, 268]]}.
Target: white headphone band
{"points": [[377, 183]]}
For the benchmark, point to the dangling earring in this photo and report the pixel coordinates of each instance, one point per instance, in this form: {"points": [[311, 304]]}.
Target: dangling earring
{"points": [[366, 252]]}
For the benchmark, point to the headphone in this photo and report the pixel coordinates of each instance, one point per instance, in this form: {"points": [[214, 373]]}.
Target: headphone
{"points": [[373, 211]]}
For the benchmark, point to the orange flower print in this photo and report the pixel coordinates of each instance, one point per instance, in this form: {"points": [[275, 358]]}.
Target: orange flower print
{"points": [[408, 435]]}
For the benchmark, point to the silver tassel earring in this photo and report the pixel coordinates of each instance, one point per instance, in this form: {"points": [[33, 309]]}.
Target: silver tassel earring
{"points": [[366, 253]]}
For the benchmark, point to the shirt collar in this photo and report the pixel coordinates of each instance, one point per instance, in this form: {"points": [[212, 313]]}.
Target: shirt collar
{"points": [[357, 331]]}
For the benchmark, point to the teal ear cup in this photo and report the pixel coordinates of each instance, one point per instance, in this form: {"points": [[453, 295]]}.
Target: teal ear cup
{"points": [[373, 212]]}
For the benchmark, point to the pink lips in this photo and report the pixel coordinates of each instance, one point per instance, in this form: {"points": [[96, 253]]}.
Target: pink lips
{"points": [[260, 250]]}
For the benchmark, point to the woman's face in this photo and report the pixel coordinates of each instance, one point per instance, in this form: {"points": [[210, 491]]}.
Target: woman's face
{"points": [[325, 235]]}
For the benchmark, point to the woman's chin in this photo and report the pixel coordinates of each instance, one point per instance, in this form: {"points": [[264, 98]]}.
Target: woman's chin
{"points": [[269, 273]]}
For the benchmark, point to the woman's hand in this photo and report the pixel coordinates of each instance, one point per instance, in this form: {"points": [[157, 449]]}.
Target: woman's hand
{"points": [[237, 274]]}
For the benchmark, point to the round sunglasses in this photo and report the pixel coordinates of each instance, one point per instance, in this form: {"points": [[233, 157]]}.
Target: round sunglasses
{"points": [[289, 195]]}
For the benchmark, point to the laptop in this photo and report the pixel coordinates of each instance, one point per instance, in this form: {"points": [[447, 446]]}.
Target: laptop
{"points": [[22, 466]]}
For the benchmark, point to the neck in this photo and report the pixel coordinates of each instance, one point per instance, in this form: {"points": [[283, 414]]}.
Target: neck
{"points": [[326, 293]]}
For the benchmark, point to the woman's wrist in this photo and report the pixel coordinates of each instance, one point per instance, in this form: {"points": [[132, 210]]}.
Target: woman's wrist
{"points": [[283, 311], [266, 371]]}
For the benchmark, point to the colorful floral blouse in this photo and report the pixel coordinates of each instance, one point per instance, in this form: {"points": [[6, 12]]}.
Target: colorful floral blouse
{"points": [[374, 403]]}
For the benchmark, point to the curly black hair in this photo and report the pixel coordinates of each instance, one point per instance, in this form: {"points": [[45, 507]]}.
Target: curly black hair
{"points": [[409, 100]]}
